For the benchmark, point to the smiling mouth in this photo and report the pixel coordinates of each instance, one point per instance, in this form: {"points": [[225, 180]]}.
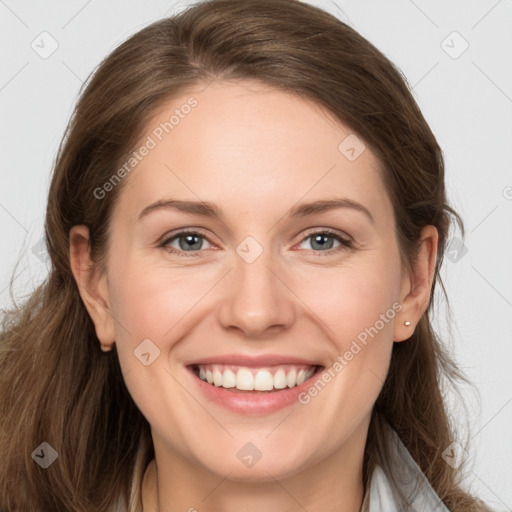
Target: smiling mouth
{"points": [[256, 380]]}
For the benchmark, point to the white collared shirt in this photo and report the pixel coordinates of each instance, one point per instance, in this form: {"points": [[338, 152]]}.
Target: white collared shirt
{"points": [[406, 489]]}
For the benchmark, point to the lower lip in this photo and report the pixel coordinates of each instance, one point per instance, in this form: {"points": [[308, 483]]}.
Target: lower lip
{"points": [[252, 402]]}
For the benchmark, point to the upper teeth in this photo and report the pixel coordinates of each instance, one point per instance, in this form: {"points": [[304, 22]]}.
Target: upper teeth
{"points": [[259, 379]]}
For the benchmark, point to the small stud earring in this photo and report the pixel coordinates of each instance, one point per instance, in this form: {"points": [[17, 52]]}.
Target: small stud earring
{"points": [[407, 323]]}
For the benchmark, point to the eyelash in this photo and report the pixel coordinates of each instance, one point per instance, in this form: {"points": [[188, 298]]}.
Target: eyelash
{"points": [[346, 244]]}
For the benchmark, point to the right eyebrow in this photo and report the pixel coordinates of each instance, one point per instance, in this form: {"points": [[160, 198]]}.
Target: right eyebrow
{"points": [[203, 208]]}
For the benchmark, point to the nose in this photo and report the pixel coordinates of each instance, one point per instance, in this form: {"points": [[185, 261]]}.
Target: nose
{"points": [[257, 298]]}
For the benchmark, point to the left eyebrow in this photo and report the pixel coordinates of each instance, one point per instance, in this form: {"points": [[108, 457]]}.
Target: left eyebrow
{"points": [[324, 205], [211, 210]]}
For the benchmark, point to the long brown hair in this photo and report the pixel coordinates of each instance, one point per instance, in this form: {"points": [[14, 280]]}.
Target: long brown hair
{"points": [[56, 384]]}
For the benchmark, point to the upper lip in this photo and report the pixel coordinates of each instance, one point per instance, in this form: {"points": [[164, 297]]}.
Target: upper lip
{"points": [[253, 361]]}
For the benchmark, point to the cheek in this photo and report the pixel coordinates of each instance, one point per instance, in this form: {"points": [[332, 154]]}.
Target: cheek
{"points": [[352, 299], [150, 301]]}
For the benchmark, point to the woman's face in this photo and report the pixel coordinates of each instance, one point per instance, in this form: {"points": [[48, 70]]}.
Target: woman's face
{"points": [[265, 290]]}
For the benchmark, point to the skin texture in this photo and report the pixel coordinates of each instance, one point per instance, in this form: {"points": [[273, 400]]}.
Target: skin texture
{"points": [[255, 152]]}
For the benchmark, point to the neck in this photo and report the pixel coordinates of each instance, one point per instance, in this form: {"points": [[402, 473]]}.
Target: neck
{"points": [[174, 484]]}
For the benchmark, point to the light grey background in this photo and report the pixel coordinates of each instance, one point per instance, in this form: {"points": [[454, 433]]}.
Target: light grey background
{"points": [[466, 96]]}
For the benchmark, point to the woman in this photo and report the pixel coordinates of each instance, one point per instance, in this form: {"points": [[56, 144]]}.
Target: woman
{"points": [[246, 223]]}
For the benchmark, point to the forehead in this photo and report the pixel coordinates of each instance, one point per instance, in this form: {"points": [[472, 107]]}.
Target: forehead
{"points": [[247, 146]]}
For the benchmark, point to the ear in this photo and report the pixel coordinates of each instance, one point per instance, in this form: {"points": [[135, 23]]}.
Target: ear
{"points": [[417, 284], [92, 286]]}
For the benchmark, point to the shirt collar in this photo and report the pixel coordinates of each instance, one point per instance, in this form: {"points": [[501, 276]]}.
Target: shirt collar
{"points": [[403, 487]]}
